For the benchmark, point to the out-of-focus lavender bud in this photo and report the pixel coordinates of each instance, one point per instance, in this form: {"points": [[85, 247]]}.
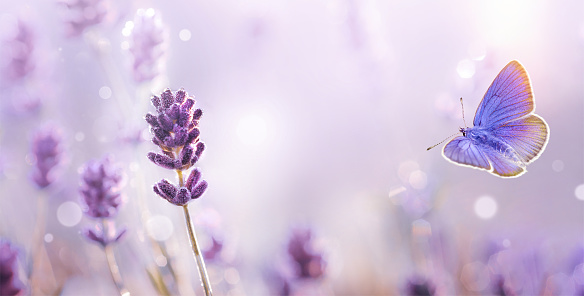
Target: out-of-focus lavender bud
{"points": [[146, 42], [96, 234], [418, 286], [16, 51], [82, 14], [309, 263], [47, 153], [9, 282], [212, 253], [101, 182]]}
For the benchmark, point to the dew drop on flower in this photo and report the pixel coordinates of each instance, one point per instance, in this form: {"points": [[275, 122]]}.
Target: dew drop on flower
{"points": [[69, 214], [485, 207]]}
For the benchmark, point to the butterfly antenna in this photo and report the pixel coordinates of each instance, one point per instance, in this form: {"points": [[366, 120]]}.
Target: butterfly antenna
{"points": [[462, 107], [441, 141]]}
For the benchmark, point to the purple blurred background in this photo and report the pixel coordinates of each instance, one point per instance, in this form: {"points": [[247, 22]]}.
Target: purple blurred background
{"points": [[317, 114]]}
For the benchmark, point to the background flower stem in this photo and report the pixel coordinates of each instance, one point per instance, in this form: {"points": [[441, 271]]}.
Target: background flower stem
{"points": [[113, 265]]}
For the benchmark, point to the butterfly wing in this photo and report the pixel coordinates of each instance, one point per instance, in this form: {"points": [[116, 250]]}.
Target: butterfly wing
{"points": [[503, 166], [462, 151], [528, 136], [508, 98]]}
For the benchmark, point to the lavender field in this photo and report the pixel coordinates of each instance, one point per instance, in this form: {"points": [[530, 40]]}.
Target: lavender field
{"points": [[279, 148]]}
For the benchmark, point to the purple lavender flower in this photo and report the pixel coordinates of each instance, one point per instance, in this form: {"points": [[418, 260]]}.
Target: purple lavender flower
{"points": [[9, 282], [175, 131], [17, 51], [101, 182], [214, 250], [309, 263], [146, 43], [47, 153], [82, 14]]}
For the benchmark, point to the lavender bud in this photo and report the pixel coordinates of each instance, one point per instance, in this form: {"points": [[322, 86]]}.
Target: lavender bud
{"points": [[146, 36], [185, 156], [9, 282], [309, 263], [163, 161], [199, 190], [165, 190], [47, 154], [97, 235], [193, 179], [82, 14], [193, 135], [182, 197], [17, 51], [167, 99], [101, 182], [180, 96]]}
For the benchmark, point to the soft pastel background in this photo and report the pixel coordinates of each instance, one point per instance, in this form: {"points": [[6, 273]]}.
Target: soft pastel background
{"points": [[316, 114]]}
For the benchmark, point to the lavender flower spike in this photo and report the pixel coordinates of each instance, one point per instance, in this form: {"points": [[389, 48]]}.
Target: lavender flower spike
{"points": [[47, 153], [82, 14], [9, 282], [100, 188], [146, 36]]}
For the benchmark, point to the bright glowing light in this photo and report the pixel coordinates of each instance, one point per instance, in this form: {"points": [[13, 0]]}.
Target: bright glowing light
{"points": [[127, 30], [159, 228], [485, 207], [48, 237], [465, 69], [418, 179], [252, 130], [184, 35], [579, 192], [105, 92], [69, 214], [406, 168], [558, 165]]}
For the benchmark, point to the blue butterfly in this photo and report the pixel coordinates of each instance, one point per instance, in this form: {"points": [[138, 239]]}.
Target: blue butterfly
{"points": [[507, 135]]}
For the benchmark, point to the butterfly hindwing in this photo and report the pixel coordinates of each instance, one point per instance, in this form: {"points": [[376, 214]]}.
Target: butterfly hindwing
{"points": [[508, 98], [462, 151], [503, 166], [528, 136]]}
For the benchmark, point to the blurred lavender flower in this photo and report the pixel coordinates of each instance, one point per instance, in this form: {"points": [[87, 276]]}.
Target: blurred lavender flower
{"points": [[17, 65], [82, 14], [214, 251], [47, 154], [308, 263], [146, 44], [9, 282], [175, 132], [101, 182], [418, 286], [18, 44]]}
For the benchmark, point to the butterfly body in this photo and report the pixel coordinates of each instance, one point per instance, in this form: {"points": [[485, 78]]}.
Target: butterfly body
{"points": [[506, 135]]}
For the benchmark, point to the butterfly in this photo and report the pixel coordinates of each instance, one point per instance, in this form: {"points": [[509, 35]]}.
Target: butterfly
{"points": [[507, 135]]}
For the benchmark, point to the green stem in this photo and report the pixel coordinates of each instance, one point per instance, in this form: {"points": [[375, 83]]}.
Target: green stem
{"points": [[195, 245]]}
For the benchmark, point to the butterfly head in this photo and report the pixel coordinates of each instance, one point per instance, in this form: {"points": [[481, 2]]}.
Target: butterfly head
{"points": [[463, 130]]}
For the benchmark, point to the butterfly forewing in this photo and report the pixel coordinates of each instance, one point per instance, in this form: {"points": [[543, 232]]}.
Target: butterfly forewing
{"points": [[509, 97]]}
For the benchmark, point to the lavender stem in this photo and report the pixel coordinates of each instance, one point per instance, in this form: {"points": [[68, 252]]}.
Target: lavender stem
{"points": [[113, 265], [195, 245]]}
